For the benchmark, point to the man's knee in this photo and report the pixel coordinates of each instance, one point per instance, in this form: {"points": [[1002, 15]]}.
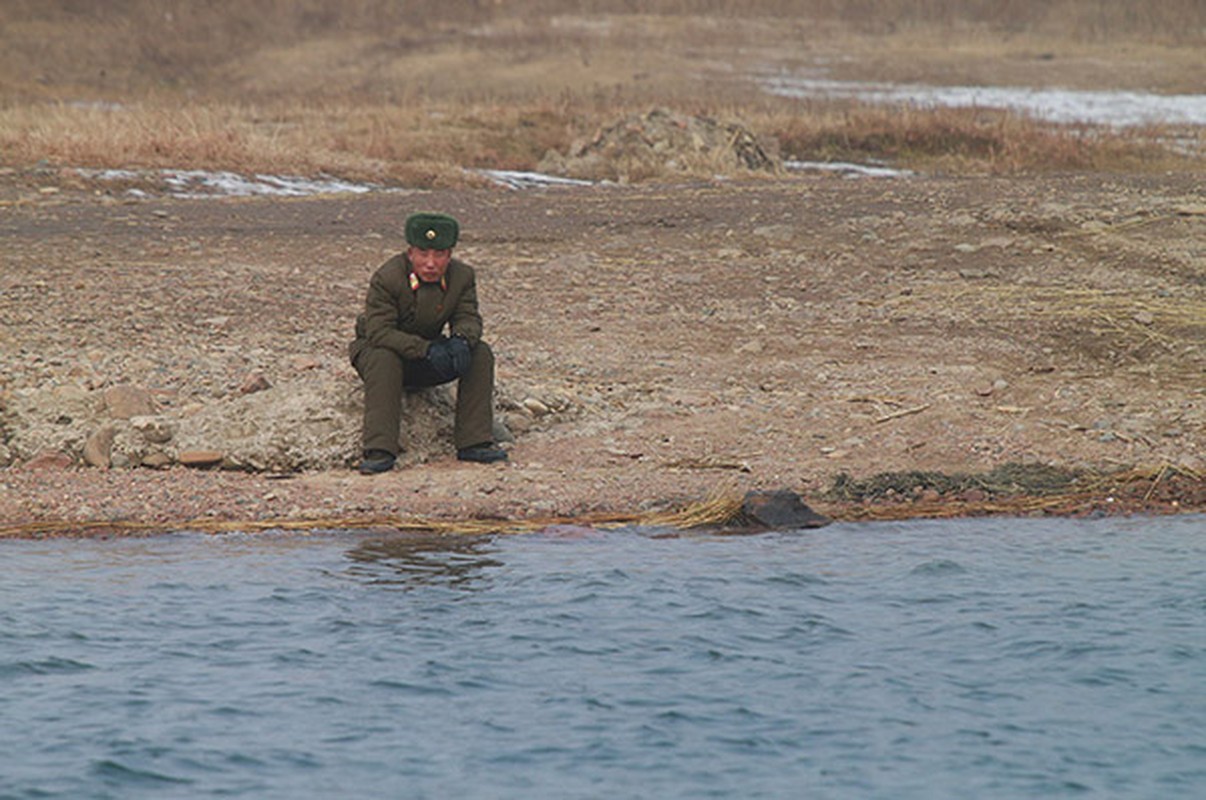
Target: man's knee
{"points": [[481, 365], [482, 352], [378, 363]]}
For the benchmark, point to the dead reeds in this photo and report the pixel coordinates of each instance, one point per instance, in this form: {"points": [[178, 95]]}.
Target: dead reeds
{"points": [[714, 511], [961, 140], [1009, 490], [355, 90], [432, 145]]}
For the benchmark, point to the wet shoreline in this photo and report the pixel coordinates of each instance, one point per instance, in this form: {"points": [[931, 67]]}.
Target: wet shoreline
{"points": [[1162, 491]]}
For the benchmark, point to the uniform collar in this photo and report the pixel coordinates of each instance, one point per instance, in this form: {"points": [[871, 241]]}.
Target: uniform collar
{"points": [[415, 283]]}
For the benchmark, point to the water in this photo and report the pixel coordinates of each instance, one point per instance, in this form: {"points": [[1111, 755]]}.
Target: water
{"points": [[979, 658]]}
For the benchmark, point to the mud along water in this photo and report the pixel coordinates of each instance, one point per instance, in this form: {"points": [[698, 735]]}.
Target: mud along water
{"points": [[978, 658]]}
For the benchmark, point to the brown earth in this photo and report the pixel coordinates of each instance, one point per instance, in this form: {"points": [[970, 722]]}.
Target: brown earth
{"points": [[681, 340]]}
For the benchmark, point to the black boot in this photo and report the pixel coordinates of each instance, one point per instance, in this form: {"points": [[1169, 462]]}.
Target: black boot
{"points": [[484, 453], [376, 461]]}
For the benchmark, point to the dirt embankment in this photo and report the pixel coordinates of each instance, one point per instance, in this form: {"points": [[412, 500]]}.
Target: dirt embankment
{"points": [[655, 343]]}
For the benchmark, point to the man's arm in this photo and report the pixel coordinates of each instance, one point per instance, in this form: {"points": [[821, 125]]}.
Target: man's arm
{"points": [[466, 320], [381, 306]]}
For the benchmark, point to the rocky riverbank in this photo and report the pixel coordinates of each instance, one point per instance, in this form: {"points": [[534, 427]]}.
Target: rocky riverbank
{"points": [[166, 358]]}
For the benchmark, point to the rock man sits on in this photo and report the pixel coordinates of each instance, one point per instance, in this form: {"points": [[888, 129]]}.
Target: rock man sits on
{"points": [[401, 344]]}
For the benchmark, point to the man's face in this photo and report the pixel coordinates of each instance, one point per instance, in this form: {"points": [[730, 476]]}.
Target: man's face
{"points": [[429, 264]]}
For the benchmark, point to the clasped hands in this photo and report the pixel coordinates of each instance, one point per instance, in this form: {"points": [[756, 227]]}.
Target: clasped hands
{"points": [[449, 357]]}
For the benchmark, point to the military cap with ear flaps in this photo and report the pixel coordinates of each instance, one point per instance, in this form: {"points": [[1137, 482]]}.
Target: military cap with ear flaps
{"points": [[432, 231]]}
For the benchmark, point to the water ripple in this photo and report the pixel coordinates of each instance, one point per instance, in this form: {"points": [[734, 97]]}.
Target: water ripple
{"points": [[46, 666], [938, 568], [116, 774], [981, 658]]}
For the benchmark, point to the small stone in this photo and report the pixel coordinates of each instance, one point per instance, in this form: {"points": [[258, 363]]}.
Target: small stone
{"points": [[156, 460], [502, 431], [200, 459], [777, 234], [50, 460], [1144, 318], [535, 407], [153, 429], [98, 450], [125, 401], [255, 382]]}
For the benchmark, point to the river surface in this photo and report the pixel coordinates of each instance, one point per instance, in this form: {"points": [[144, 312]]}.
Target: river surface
{"points": [[968, 659]]}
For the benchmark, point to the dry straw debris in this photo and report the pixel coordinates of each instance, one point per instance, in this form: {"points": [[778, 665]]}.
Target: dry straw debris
{"points": [[1012, 489]]}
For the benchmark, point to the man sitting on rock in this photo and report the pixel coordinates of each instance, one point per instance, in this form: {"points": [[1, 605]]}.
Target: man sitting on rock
{"points": [[401, 344]]}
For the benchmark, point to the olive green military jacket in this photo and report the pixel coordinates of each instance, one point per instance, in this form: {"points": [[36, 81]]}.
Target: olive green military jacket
{"points": [[406, 320]]}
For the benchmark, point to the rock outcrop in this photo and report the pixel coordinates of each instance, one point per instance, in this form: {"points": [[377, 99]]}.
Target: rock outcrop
{"points": [[662, 141], [309, 424], [779, 510]]}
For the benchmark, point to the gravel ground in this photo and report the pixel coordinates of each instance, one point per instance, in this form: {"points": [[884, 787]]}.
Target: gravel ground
{"points": [[680, 340]]}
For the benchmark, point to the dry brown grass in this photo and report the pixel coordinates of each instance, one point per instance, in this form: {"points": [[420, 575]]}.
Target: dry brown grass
{"points": [[715, 511], [429, 144], [963, 140], [361, 90], [423, 145]]}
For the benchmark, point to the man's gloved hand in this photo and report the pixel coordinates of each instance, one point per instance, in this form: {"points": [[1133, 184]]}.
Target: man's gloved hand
{"points": [[459, 347], [449, 358]]}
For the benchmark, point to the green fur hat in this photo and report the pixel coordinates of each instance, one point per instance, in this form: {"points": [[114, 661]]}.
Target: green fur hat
{"points": [[432, 231]]}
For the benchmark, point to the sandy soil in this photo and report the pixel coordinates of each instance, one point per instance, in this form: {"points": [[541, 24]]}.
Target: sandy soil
{"points": [[683, 339]]}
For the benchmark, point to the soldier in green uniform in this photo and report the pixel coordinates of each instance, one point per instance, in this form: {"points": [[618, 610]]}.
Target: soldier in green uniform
{"points": [[401, 344]]}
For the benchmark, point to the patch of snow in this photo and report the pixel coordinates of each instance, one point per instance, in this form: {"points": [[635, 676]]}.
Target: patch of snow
{"points": [[518, 179], [1111, 108], [848, 169], [96, 105], [201, 183], [109, 174]]}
